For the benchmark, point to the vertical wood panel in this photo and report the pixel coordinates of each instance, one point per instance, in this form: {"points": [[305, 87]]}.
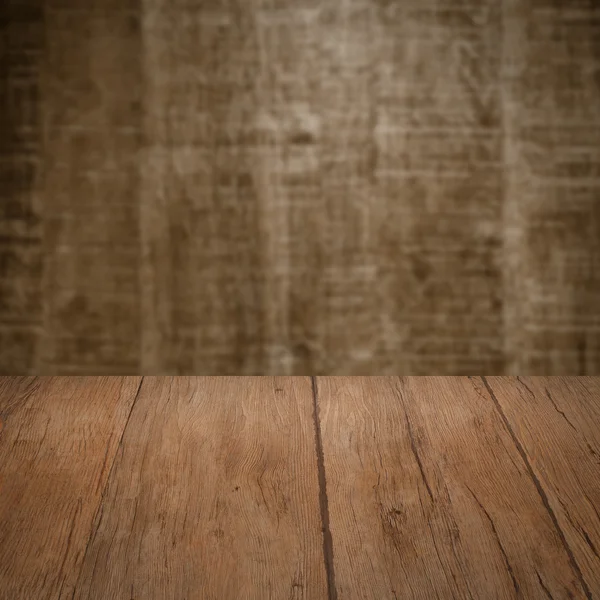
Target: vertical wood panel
{"points": [[552, 199], [202, 269], [439, 186], [315, 123], [344, 311], [21, 52], [92, 102], [352, 181]]}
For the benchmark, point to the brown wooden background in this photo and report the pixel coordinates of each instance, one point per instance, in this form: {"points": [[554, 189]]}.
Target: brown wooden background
{"points": [[293, 186]]}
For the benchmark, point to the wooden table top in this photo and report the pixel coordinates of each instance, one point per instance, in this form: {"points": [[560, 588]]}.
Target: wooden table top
{"points": [[298, 487]]}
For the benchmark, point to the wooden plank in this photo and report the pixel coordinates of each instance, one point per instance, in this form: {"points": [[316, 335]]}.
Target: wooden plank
{"points": [[215, 495], [556, 422], [201, 268], [92, 116], [428, 496], [327, 56], [437, 205], [309, 165], [226, 184], [21, 55], [551, 243], [58, 439], [14, 391]]}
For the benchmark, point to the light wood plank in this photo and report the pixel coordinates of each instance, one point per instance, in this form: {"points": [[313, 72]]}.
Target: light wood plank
{"points": [[557, 424], [58, 439], [428, 496], [214, 496]]}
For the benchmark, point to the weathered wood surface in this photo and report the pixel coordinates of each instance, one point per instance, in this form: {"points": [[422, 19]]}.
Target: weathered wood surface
{"points": [[58, 440], [551, 186], [341, 488], [556, 424], [215, 495], [429, 498], [291, 186], [92, 113], [21, 50]]}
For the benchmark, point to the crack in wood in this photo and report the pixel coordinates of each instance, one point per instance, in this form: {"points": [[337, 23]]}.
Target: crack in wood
{"points": [[540, 490], [560, 412], [100, 510], [520, 380], [497, 537], [323, 500], [546, 590], [413, 446]]}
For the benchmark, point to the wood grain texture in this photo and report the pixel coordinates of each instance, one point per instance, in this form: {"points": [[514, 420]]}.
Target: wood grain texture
{"points": [[355, 177], [552, 195], [201, 273], [290, 487], [92, 112], [439, 196], [300, 186], [429, 497], [557, 423], [21, 48], [58, 439], [215, 495]]}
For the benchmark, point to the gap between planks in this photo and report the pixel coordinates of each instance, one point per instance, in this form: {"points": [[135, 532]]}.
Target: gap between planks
{"points": [[323, 500], [98, 513], [539, 488], [327, 541]]}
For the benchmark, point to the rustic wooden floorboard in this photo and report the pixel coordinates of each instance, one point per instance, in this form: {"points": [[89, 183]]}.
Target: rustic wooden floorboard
{"points": [[335, 488], [428, 496], [58, 439], [215, 495], [556, 424]]}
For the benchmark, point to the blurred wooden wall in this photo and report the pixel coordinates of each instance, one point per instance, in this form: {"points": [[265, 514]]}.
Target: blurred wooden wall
{"points": [[21, 227], [300, 186]]}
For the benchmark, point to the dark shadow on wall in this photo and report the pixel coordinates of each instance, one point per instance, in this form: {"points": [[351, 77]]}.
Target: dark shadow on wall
{"points": [[21, 45]]}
